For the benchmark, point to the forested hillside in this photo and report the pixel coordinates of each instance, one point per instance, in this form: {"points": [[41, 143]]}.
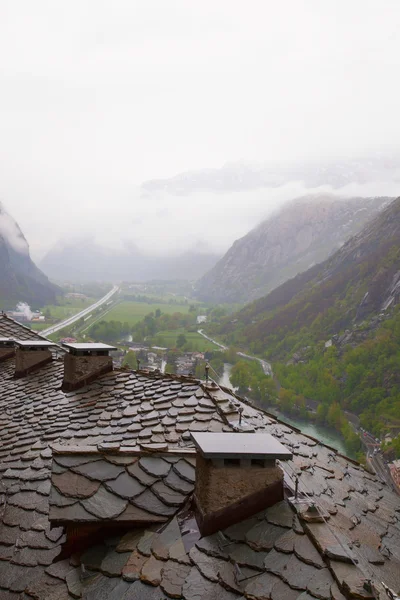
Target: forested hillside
{"points": [[357, 282], [333, 332]]}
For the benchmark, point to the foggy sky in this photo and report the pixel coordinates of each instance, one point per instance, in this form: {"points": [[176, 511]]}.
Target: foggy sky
{"points": [[98, 96]]}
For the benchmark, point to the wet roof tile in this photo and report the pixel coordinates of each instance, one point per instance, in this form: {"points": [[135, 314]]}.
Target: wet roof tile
{"points": [[35, 413]]}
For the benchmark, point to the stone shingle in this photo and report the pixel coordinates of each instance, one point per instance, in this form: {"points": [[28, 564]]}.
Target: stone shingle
{"points": [[110, 413]]}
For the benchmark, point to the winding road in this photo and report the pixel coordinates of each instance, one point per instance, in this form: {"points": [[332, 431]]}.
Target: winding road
{"points": [[266, 366], [81, 314]]}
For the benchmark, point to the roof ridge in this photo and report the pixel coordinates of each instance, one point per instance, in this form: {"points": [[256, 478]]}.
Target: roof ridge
{"points": [[4, 315]]}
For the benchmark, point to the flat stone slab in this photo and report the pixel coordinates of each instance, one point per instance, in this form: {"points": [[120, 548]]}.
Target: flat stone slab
{"points": [[114, 562], [167, 538], [185, 471], [196, 587], [141, 475], [74, 485], [177, 483], [173, 578], [157, 467], [71, 460], [208, 566], [104, 505], [132, 568], [101, 587], [100, 470], [261, 587], [285, 543], [306, 551], [151, 571], [320, 584], [149, 501], [167, 495], [134, 514], [129, 541], [246, 557], [125, 486], [280, 514], [263, 535]]}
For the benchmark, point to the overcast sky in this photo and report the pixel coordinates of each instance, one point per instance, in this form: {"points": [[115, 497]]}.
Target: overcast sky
{"points": [[98, 96]]}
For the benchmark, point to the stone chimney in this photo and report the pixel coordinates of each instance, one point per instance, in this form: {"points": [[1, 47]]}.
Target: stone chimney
{"points": [[7, 349], [31, 355], [236, 477], [84, 363]]}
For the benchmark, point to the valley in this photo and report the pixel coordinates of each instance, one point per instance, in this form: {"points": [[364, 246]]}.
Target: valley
{"points": [[304, 349]]}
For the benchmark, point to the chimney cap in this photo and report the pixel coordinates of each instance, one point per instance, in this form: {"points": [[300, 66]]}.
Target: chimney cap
{"points": [[240, 445], [78, 347], [34, 344]]}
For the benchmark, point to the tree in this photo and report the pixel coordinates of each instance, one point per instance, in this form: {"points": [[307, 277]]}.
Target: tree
{"points": [[130, 360], [181, 340]]}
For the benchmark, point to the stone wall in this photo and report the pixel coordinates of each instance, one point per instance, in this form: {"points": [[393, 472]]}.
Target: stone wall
{"points": [[80, 370], [29, 360], [219, 487], [6, 353]]}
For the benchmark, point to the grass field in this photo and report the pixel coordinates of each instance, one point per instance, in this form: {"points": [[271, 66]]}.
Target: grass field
{"points": [[132, 312], [66, 308], [196, 340], [39, 326]]}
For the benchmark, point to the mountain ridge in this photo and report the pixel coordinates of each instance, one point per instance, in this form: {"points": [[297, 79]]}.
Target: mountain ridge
{"points": [[20, 279], [303, 232], [357, 282], [246, 175]]}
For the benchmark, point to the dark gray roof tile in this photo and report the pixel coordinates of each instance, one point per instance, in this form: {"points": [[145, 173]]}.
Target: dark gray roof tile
{"points": [[245, 556], [151, 503], [156, 467], [185, 471], [320, 584], [74, 512], [104, 505], [167, 495], [209, 566], [34, 411], [125, 486], [99, 470], [173, 578], [260, 587], [263, 535], [74, 485], [113, 563]]}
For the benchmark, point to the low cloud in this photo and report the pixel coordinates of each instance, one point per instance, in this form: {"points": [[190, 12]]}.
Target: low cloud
{"points": [[12, 233]]}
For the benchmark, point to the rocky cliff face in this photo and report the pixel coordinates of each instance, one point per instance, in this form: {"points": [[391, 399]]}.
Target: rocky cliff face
{"points": [[20, 279], [305, 232], [359, 282]]}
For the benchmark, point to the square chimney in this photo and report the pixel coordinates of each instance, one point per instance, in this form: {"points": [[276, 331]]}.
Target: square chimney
{"points": [[84, 363], [7, 348], [236, 477], [31, 355]]}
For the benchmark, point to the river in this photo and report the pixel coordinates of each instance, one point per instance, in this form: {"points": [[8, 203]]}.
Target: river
{"points": [[327, 436]]}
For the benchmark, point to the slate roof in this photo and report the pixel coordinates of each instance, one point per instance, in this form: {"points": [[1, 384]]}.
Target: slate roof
{"points": [[122, 446], [129, 489]]}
